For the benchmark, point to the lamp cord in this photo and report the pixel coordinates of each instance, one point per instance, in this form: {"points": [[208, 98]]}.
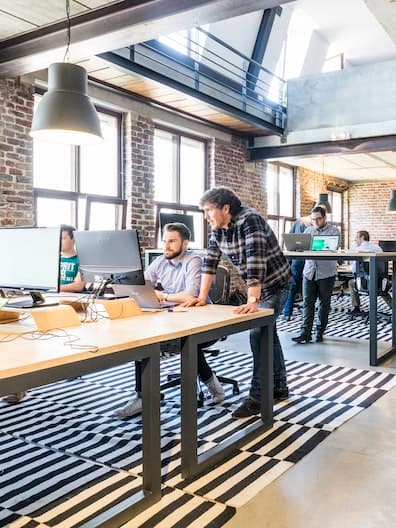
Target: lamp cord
{"points": [[66, 57]]}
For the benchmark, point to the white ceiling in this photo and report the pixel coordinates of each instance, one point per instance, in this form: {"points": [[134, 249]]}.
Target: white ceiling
{"points": [[351, 28], [352, 167]]}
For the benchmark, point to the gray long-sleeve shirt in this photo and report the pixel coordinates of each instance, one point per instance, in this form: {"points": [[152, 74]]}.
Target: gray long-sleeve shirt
{"points": [[321, 269]]}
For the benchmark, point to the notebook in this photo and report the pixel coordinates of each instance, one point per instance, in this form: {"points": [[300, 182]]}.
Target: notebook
{"points": [[297, 241], [325, 243], [143, 294]]}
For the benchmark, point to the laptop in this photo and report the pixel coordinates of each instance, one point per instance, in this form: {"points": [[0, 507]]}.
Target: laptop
{"points": [[297, 241], [325, 243], [143, 294]]}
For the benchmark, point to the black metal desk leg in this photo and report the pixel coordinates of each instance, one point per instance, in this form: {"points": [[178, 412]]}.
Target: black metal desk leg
{"points": [[189, 427], [373, 291]]}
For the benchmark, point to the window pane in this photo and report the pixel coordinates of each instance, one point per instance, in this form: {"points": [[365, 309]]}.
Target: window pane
{"points": [[198, 231], [274, 224], [164, 167], [336, 206], [52, 212], [104, 216], [99, 163], [271, 190], [192, 170], [52, 166], [286, 193]]}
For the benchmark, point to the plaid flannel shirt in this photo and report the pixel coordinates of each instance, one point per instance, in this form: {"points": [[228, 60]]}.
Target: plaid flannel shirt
{"points": [[250, 244]]}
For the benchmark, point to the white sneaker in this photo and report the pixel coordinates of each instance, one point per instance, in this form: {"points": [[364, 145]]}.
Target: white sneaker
{"points": [[132, 408], [215, 388], [16, 397]]}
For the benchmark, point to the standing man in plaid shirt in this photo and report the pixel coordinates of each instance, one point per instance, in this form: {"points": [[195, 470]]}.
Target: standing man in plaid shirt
{"points": [[243, 236]]}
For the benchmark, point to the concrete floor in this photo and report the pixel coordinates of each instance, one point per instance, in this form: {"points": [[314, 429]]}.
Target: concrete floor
{"points": [[349, 480]]}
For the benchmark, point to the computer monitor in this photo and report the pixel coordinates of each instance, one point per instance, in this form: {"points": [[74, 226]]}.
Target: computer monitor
{"points": [[110, 256], [171, 218], [388, 245], [29, 261]]}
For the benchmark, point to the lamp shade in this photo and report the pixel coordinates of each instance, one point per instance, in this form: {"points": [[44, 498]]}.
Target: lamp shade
{"points": [[323, 201], [392, 204], [65, 114]]}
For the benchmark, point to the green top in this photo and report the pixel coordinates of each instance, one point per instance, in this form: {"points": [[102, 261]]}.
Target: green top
{"points": [[68, 269]]}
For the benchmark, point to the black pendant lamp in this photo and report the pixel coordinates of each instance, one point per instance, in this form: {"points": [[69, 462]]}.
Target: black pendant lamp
{"points": [[323, 201], [392, 204], [66, 114]]}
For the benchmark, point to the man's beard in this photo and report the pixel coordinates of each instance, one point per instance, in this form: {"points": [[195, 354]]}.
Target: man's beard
{"points": [[175, 254]]}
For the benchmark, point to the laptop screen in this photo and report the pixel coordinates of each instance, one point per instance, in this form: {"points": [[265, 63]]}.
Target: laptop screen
{"points": [[324, 243]]}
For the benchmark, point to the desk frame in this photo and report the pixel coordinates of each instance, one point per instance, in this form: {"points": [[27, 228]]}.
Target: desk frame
{"points": [[151, 446], [193, 464], [372, 259]]}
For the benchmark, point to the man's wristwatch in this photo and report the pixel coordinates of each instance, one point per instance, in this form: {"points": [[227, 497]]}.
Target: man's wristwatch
{"points": [[252, 300], [165, 295]]}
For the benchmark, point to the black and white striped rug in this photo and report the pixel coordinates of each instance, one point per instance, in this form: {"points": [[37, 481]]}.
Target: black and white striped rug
{"points": [[65, 456], [340, 323]]}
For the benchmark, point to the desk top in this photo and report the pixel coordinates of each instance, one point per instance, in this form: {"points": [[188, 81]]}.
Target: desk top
{"points": [[339, 255], [106, 336]]}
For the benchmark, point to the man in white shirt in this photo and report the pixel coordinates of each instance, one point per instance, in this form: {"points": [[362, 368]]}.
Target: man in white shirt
{"points": [[363, 244]]}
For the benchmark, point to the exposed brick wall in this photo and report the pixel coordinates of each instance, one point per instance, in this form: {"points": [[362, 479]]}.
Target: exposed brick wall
{"points": [[367, 210], [228, 166], [139, 177], [16, 160]]}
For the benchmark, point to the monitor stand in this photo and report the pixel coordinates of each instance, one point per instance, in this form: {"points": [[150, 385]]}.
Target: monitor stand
{"points": [[37, 302]]}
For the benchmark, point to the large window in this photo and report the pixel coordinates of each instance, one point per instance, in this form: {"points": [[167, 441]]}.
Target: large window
{"points": [[180, 177], [66, 177], [281, 198]]}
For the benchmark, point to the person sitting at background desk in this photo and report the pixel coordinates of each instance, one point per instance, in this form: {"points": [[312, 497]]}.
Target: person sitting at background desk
{"points": [[363, 244], [176, 276], [70, 280], [318, 282]]}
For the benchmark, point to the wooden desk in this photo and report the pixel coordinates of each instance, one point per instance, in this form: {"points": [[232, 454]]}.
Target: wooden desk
{"points": [[33, 363], [372, 259]]}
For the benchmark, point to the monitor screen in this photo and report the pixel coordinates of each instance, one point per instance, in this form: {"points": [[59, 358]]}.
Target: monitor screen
{"points": [[388, 245], [324, 243], [30, 258], [113, 255], [171, 218]]}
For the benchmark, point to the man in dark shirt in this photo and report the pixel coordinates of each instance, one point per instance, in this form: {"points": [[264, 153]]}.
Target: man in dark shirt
{"points": [[247, 240]]}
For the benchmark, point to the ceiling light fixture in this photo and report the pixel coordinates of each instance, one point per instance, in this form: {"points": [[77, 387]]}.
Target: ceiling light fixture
{"points": [[323, 200], [66, 114], [392, 204]]}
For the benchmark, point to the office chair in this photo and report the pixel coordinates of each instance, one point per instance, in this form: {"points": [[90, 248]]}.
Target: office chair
{"points": [[219, 294], [383, 286]]}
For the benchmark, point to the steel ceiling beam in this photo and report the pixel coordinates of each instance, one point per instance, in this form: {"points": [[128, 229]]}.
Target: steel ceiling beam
{"points": [[117, 25], [348, 146]]}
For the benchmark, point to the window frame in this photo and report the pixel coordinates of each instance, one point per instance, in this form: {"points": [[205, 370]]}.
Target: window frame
{"points": [[76, 195], [340, 225], [282, 219], [178, 206]]}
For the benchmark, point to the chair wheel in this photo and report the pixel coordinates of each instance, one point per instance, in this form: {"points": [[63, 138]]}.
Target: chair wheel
{"points": [[235, 390]]}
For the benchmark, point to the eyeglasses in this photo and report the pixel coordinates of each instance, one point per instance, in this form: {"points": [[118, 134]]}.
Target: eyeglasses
{"points": [[316, 218]]}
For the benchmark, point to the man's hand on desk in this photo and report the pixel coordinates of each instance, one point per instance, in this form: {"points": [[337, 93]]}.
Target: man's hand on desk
{"points": [[247, 308], [195, 301]]}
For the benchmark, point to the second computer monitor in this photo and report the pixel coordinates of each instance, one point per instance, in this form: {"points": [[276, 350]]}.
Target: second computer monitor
{"points": [[388, 245], [113, 255], [171, 218]]}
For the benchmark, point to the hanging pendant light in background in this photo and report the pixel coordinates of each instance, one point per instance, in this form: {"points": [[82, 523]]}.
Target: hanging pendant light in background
{"points": [[392, 204], [323, 199], [66, 114]]}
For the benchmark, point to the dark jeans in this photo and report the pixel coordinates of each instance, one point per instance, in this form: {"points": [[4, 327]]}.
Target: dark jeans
{"points": [[296, 269], [276, 302], [204, 371], [312, 290]]}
